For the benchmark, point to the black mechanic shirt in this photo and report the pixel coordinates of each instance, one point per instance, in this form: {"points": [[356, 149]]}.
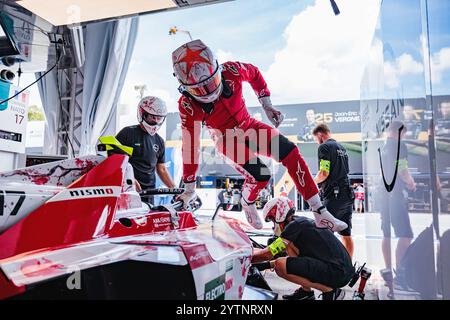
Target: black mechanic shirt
{"points": [[337, 155], [313, 242], [148, 151]]}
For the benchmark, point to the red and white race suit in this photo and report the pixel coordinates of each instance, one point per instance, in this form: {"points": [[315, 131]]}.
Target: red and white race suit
{"points": [[239, 137]]}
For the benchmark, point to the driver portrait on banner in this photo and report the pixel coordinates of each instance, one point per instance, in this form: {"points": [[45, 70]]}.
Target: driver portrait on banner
{"points": [[306, 132]]}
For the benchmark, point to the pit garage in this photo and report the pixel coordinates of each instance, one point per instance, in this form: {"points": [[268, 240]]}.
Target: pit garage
{"points": [[75, 224]]}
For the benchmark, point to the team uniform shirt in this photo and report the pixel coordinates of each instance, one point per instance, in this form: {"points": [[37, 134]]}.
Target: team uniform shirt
{"points": [[333, 158], [227, 113], [148, 151], [317, 243]]}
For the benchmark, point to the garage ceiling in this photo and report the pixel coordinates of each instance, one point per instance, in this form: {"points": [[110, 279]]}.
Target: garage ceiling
{"points": [[66, 12]]}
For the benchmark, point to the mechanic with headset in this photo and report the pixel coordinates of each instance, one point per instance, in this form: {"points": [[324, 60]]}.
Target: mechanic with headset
{"points": [[148, 146], [212, 96], [315, 257]]}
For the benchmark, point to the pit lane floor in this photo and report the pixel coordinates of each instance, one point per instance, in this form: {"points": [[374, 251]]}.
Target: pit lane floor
{"points": [[367, 236]]}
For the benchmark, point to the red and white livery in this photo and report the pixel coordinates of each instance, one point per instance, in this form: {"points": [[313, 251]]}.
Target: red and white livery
{"points": [[78, 229]]}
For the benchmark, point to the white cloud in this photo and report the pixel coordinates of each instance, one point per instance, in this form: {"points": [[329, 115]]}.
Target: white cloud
{"points": [[374, 73], [402, 66], [325, 55], [440, 64], [130, 99], [130, 96], [390, 75], [224, 56], [407, 65]]}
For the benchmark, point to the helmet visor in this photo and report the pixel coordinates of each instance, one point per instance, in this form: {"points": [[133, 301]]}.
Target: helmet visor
{"points": [[153, 119], [206, 87]]}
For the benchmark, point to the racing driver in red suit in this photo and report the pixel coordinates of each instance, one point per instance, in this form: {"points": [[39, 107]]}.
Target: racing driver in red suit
{"points": [[212, 96]]}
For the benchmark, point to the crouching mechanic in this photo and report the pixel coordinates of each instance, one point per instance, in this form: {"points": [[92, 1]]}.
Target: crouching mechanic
{"points": [[212, 95], [315, 257]]}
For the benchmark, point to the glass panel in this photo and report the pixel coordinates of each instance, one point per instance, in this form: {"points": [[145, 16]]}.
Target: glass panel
{"points": [[398, 148], [436, 18]]}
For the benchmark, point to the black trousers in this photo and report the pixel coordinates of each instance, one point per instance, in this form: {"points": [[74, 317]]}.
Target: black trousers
{"points": [[341, 207]]}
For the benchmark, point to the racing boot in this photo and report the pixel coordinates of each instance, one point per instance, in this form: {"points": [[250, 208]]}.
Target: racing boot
{"points": [[324, 219], [251, 213]]}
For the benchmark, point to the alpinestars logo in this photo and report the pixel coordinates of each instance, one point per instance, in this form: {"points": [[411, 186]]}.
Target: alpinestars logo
{"points": [[301, 175], [232, 69], [187, 106], [327, 224]]}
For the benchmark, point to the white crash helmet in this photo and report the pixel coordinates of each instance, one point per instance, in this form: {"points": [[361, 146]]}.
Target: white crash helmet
{"points": [[198, 71], [278, 209], [152, 112]]}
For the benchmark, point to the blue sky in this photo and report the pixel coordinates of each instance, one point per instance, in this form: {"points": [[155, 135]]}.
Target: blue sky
{"points": [[403, 42], [252, 29], [245, 30], [305, 52]]}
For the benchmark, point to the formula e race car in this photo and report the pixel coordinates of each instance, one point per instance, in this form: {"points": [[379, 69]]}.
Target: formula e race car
{"points": [[77, 229]]}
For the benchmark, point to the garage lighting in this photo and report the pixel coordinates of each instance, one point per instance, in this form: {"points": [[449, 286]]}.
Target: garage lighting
{"points": [[64, 12]]}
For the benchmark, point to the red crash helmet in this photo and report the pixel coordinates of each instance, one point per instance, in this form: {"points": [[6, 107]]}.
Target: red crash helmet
{"points": [[198, 71]]}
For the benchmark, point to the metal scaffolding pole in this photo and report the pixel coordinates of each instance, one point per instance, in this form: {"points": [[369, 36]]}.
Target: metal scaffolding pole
{"points": [[70, 82]]}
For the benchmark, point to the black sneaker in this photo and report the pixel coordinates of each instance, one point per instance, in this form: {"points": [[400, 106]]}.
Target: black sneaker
{"points": [[300, 294], [336, 294]]}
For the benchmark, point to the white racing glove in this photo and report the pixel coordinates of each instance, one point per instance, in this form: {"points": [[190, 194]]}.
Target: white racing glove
{"points": [[273, 114], [188, 195]]}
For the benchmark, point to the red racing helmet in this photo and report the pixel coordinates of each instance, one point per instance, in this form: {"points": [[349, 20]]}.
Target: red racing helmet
{"points": [[198, 71]]}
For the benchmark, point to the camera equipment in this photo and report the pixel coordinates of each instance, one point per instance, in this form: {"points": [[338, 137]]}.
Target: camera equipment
{"points": [[365, 274], [7, 75]]}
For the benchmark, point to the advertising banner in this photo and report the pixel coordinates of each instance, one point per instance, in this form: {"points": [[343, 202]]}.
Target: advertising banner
{"points": [[13, 118], [342, 117]]}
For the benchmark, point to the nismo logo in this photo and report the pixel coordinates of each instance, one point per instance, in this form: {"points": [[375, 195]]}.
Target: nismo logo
{"points": [[91, 192], [87, 193]]}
